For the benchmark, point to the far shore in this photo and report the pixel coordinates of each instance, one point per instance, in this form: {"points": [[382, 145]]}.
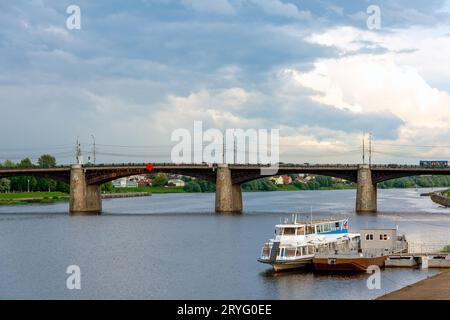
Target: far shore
{"points": [[51, 197]]}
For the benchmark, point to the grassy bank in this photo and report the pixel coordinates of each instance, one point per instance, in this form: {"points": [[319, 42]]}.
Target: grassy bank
{"points": [[32, 197]]}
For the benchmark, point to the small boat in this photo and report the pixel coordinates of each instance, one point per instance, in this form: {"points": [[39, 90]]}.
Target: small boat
{"points": [[296, 243], [371, 248]]}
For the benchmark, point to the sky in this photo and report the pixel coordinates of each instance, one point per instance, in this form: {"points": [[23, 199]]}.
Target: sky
{"points": [[138, 70]]}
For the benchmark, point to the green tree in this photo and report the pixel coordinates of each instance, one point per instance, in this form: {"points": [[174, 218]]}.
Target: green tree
{"points": [[46, 161], [300, 185], [63, 187], [107, 187], [192, 186], [25, 163], [313, 185], [206, 186], [324, 181], [5, 185], [9, 163], [160, 180]]}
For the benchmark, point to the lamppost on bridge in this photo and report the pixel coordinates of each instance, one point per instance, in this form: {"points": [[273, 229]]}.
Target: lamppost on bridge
{"points": [[93, 148]]}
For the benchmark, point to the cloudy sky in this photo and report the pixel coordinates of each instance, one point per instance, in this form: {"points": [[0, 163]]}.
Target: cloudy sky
{"points": [[137, 70]]}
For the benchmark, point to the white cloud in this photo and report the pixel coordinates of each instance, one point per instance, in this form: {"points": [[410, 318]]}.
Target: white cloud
{"points": [[216, 108], [215, 6], [424, 49], [280, 8], [397, 81]]}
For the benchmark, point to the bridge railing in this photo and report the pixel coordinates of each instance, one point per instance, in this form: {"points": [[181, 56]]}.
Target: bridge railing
{"points": [[34, 167], [281, 164]]}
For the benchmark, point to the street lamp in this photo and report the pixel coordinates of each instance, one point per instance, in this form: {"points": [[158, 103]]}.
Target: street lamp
{"points": [[93, 139]]}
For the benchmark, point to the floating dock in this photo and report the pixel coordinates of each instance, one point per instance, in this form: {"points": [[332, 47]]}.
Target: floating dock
{"points": [[425, 260], [125, 195]]}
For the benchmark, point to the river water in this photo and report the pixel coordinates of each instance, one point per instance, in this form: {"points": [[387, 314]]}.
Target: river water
{"points": [[172, 246]]}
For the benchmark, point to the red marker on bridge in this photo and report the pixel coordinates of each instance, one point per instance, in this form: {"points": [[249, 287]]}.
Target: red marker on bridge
{"points": [[149, 167]]}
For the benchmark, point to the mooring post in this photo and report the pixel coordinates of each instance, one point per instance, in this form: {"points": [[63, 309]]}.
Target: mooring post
{"points": [[84, 199], [366, 192]]}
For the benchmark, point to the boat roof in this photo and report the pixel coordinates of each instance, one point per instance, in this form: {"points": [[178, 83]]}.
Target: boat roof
{"points": [[323, 240], [303, 223]]}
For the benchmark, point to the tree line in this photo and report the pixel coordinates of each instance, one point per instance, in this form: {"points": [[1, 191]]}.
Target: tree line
{"points": [[31, 183]]}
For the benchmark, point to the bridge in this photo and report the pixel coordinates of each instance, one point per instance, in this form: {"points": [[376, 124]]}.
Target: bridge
{"points": [[85, 181]]}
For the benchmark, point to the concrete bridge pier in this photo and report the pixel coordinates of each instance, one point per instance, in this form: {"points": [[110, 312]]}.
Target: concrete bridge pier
{"points": [[84, 199], [366, 192], [228, 195]]}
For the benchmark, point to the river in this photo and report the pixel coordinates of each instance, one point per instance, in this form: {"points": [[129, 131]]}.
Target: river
{"points": [[172, 246]]}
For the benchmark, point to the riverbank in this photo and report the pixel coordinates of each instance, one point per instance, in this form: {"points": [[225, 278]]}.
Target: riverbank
{"points": [[442, 198], [49, 197], [433, 288], [32, 197]]}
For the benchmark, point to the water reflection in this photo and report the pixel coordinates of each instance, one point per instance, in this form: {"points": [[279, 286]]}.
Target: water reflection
{"points": [[174, 246]]}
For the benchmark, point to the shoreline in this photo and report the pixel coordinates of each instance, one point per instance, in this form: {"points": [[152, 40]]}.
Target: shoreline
{"points": [[436, 287], [52, 197]]}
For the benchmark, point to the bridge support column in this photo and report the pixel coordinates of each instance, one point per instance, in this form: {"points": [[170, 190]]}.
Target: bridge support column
{"points": [[366, 192], [228, 195], [84, 199], [237, 198]]}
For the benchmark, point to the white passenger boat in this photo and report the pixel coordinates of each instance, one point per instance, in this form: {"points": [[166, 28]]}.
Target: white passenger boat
{"points": [[296, 243]]}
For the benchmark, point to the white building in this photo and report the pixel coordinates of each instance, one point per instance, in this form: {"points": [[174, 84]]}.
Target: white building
{"points": [[125, 183], [175, 183]]}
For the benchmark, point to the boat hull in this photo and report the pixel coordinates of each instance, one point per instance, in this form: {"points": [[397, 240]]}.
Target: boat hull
{"points": [[288, 265], [347, 264]]}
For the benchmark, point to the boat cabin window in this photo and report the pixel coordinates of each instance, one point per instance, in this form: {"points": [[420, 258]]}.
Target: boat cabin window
{"points": [[328, 227], [289, 231], [301, 230], [290, 252], [308, 250], [369, 236], [266, 251], [383, 237], [310, 230]]}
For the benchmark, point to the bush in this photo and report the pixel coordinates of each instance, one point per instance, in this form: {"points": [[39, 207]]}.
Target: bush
{"points": [[192, 186]]}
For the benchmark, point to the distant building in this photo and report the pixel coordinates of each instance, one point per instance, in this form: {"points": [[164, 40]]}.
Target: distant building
{"points": [[300, 178], [338, 180], [132, 184], [120, 183], [286, 179], [125, 183], [145, 182], [176, 183], [277, 180]]}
